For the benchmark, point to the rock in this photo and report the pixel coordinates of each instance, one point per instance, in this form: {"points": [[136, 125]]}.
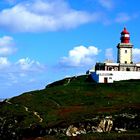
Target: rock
{"points": [[82, 130], [71, 131], [119, 130], [109, 126], [94, 129], [105, 124], [74, 131], [130, 116]]}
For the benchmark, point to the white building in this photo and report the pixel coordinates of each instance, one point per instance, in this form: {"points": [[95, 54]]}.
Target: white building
{"points": [[124, 69]]}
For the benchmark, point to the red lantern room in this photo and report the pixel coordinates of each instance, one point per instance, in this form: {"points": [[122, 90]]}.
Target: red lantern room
{"points": [[125, 37]]}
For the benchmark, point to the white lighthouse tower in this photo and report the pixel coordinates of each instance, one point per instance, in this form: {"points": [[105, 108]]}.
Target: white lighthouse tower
{"points": [[125, 49]]}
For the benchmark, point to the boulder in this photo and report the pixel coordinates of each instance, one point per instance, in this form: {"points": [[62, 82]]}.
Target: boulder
{"points": [[105, 124]]}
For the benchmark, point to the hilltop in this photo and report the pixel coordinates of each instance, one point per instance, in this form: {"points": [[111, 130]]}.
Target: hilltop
{"points": [[68, 102]]}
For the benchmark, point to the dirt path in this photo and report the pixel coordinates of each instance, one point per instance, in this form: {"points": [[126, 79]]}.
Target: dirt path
{"points": [[37, 115], [68, 81], [27, 110], [8, 101]]}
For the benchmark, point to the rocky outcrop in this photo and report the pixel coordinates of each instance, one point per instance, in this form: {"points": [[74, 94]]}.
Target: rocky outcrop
{"points": [[105, 124], [74, 131], [119, 130], [119, 123]]}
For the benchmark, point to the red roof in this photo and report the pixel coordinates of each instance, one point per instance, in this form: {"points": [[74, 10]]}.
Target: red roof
{"points": [[124, 31]]}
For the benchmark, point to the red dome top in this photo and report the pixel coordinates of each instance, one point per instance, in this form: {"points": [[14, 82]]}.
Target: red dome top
{"points": [[124, 31], [125, 37]]}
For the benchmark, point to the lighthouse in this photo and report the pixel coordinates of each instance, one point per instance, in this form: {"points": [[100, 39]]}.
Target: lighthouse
{"points": [[124, 55], [124, 69]]}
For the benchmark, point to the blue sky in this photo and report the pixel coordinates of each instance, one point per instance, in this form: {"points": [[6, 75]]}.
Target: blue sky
{"points": [[46, 40]]}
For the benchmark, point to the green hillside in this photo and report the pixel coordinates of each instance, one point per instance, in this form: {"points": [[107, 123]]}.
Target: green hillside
{"points": [[65, 102]]}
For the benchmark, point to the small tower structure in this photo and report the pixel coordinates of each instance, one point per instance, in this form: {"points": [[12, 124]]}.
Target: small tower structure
{"points": [[124, 48]]}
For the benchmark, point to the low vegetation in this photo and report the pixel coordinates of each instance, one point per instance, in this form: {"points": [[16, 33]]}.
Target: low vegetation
{"points": [[67, 101]]}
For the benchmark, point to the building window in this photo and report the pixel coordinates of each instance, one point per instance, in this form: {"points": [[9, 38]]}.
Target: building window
{"points": [[125, 51], [125, 62]]}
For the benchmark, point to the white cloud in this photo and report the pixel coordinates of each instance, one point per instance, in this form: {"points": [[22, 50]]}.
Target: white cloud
{"points": [[42, 15], [125, 17], [80, 56], [27, 64], [23, 71], [108, 4], [4, 63], [136, 55], [122, 17], [109, 54], [22, 66], [6, 46], [6, 41], [13, 78]]}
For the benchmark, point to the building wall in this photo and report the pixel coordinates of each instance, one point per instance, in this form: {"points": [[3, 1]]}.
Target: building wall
{"points": [[125, 55], [116, 67], [128, 68], [95, 76], [100, 76]]}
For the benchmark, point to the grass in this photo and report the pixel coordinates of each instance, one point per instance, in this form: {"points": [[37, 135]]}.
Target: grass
{"points": [[72, 100], [97, 136], [80, 96]]}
